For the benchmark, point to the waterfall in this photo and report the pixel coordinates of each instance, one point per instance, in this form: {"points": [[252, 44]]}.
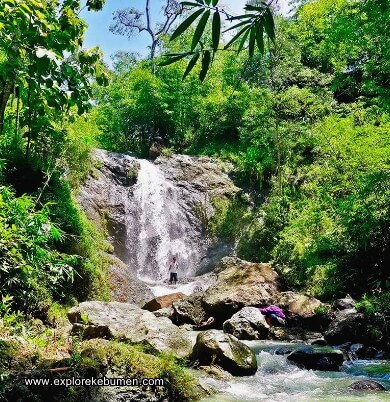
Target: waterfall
{"points": [[150, 212], [159, 227]]}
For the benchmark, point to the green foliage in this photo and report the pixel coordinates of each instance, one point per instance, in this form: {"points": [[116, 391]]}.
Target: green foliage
{"points": [[32, 270], [376, 308], [253, 25], [229, 218], [45, 68]]}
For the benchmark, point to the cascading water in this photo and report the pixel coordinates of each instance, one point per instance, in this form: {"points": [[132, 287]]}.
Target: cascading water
{"points": [[278, 380], [158, 227]]}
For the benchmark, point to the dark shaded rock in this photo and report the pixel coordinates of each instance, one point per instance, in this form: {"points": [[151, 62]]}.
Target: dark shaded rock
{"points": [[316, 358], [373, 353], [367, 385], [126, 321], [293, 334], [247, 324], [319, 342], [155, 150], [163, 301], [345, 303], [239, 284], [189, 310], [226, 351], [349, 325], [358, 350]]}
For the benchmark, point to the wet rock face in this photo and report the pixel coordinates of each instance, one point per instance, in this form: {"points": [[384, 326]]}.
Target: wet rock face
{"points": [[247, 324], [127, 321], [125, 287], [317, 358], [150, 210], [226, 351]]}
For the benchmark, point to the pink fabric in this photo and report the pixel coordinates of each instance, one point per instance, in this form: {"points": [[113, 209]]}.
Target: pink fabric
{"points": [[273, 310]]}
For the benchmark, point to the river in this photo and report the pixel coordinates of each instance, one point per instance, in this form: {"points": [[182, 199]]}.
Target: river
{"points": [[277, 380]]}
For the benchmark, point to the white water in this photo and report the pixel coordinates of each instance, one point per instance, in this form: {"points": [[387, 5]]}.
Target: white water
{"points": [[277, 380], [159, 229]]}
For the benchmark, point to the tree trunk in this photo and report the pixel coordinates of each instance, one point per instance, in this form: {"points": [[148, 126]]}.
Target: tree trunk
{"points": [[4, 97]]}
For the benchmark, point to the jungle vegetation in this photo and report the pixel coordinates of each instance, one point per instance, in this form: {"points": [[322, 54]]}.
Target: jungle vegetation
{"points": [[299, 104]]}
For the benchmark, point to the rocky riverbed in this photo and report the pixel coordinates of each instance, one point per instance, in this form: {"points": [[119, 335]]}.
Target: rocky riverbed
{"points": [[239, 356]]}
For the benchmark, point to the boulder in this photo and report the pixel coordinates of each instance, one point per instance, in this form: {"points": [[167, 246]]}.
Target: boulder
{"points": [[163, 301], [239, 284], [344, 303], [129, 322], [367, 385], [302, 311], [293, 334], [357, 350], [125, 287], [215, 347], [317, 358], [247, 324], [189, 310], [348, 326], [297, 304]]}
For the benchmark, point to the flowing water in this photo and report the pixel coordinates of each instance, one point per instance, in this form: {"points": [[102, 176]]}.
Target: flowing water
{"points": [[277, 380], [159, 227]]}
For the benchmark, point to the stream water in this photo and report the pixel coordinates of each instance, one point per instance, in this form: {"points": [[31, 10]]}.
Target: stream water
{"points": [[277, 380]]}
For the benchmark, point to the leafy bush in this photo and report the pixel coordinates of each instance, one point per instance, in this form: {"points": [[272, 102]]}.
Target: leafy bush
{"points": [[31, 268], [377, 307]]}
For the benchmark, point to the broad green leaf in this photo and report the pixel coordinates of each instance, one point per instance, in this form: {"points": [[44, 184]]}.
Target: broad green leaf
{"points": [[205, 65], [243, 40], [237, 25], [172, 60], [260, 37], [190, 3], [243, 16], [235, 37], [254, 8], [269, 24], [216, 31], [215, 2], [252, 40], [200, 29], [186, 23], [191, 64]]}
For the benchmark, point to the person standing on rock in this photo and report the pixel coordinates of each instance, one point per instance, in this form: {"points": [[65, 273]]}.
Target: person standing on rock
{"points": [[173, 268]]}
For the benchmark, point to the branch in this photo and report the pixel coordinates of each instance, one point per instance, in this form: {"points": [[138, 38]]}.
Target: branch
{"points": [[148, 20]]}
